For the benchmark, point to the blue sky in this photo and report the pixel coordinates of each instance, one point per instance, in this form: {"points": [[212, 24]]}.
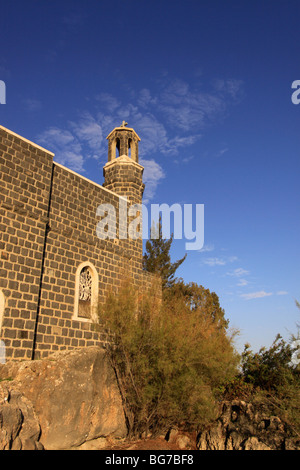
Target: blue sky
{"points": [[207, 86]]}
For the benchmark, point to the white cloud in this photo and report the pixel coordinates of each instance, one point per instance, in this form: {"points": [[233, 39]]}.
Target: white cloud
{"points": [[281, 292], [232, 87], [221, 152], [109, 101], [191, 109], [153, 174], [167, 121], [256, 295], [67, 149], [242, 282], [172, 146], [145, 98], [214, 261], [31, 104], [219, 261], [187, 159], [151, 131], [88, 131], [238, 272], [207, 248], [231, 259]]}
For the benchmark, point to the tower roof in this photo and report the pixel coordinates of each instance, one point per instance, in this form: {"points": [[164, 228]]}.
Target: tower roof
{"points": [[123, 128]]}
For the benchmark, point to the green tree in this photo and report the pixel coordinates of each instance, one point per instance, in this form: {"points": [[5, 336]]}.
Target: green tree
{"points": [[271, 369], [268, 369], [157, 258], [275, 381]]}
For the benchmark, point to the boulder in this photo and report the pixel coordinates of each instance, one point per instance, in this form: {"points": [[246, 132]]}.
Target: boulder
{"points": [[67, 399], [19, 425]]}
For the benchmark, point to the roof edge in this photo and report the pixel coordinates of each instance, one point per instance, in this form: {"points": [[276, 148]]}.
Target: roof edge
{"points": [[26, 140], [88, 180], [122, 128]]}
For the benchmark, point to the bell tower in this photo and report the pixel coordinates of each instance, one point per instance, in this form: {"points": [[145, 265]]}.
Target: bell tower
{"points": [[122, 173]]}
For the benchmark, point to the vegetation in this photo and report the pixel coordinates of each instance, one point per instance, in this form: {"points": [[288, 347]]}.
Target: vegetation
{"points": [[175, 360], [196, 297], [170, 359], [157, 258], [269, 376], [269, 369]]}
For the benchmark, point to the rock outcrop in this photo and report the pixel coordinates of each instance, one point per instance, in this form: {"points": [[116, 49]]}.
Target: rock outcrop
{"points": [[245, 426], [61, 402], [19, 425], [71, 400]]}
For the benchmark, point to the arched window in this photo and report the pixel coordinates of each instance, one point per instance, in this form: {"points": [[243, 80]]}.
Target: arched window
{"points": [[129, 147], [115, 147], [132, 147], [118, 147], [86, 295]]}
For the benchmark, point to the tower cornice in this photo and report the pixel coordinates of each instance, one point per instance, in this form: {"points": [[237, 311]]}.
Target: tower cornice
{"points": [[124, 160], [122, 129]]}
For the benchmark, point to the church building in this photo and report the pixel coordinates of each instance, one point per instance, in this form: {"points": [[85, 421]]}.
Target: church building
{"points": [[55, 270]]}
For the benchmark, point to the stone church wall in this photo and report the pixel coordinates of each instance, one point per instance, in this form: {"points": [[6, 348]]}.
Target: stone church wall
{"points": [[47, 237], [25, 172]]}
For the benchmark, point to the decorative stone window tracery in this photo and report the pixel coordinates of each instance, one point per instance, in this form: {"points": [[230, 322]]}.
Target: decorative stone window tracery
{"points": [[85, 292], [86, 296]]}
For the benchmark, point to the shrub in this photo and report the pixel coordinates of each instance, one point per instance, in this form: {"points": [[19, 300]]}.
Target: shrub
{"points": [[273, 379], [170, 360], [269, 368]]}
